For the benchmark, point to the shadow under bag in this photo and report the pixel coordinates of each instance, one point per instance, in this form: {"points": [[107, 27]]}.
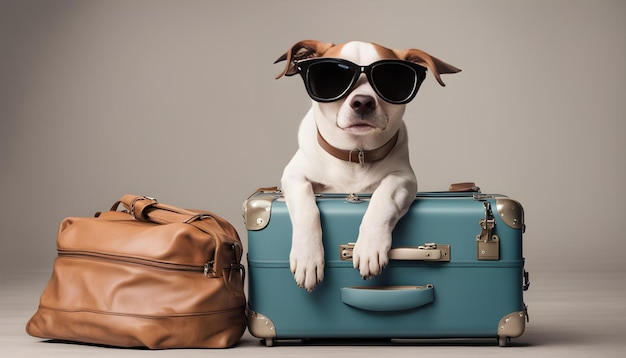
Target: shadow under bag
{"points": [[152, 276]]}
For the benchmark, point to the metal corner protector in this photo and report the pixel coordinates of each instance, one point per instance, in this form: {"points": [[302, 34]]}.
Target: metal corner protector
{"points": [[260, 326], [511, 212], [511, 326], [256, 211]]}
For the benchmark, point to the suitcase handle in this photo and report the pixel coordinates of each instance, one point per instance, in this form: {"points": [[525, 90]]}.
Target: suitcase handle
{"points": [[387, 298], [428, 252]]}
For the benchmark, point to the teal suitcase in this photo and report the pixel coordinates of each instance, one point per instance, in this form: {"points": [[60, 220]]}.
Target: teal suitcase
{"points": [[456, 270]]}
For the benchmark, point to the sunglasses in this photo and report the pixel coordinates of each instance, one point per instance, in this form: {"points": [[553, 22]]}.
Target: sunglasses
{"points": [[331, 79]]}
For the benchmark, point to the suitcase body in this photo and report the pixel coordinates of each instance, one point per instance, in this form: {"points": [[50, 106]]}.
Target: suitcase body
{"points": [[456, 270]]}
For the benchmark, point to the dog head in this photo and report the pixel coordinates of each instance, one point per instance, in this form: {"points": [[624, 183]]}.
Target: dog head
{"points": [[361, 117]]}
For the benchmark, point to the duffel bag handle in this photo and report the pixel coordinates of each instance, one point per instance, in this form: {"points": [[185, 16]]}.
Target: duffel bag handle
{"points": [[144, 208], [387, 298]]}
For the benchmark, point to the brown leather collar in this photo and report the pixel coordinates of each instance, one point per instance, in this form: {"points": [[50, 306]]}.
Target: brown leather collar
{"points": [[358, 155]]}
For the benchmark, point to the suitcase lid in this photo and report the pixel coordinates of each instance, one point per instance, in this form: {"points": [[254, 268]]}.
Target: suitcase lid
{"points": [[257, 208]]}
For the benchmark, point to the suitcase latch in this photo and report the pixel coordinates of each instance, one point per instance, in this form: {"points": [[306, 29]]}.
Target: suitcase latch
{"points": [[487, 243], [427, 252]]}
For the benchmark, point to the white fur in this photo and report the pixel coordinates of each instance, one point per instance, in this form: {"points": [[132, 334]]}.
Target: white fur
{"points": [[391, 180]]}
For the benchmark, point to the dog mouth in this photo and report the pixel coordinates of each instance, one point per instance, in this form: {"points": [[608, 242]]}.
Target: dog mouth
{"points": [[361, 124], [359, 127]]}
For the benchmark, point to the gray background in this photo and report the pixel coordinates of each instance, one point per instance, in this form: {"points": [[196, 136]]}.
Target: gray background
{"points": [[177, 100]]}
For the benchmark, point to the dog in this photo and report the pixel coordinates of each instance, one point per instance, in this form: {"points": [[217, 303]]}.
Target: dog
{"points": [[352, 140]]}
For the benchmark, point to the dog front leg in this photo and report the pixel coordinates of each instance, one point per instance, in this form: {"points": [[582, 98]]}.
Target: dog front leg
{"points": [[306, 259], [390, 201]]}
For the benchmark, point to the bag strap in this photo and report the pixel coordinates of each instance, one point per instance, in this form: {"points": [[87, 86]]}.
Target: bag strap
{"points": [[144, 208]]}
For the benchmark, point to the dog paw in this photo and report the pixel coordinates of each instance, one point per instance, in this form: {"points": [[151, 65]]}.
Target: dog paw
{"points": [[306, 262], [370, 254]]}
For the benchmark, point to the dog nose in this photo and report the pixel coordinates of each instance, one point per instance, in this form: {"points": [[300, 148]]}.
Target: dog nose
{"points": [[363, 104]]}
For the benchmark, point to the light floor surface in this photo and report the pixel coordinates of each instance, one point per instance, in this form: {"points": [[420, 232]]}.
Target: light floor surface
{"points": [[571, 315]]}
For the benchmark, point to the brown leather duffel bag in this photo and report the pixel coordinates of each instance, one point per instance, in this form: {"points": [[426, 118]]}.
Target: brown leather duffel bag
{"points": [[151, 276]]}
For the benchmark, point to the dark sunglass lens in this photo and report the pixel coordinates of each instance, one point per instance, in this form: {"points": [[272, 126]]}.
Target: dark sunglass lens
{"points": [[395, 82], [329, 80]]}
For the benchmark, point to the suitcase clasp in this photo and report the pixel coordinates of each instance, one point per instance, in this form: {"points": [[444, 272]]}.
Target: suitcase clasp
{"points": [[487, 243]]}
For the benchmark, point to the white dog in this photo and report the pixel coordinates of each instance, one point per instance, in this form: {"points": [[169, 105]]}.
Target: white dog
{"points": [[352, 140]]}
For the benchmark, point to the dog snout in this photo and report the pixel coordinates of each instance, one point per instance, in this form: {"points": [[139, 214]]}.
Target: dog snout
{"points": [[363, 104]]}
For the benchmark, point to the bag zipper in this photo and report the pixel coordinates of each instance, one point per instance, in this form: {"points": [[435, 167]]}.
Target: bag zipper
{"points": [[206, 269]]}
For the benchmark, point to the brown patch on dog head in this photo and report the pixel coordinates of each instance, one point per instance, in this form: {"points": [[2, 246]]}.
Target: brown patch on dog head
{"points": [[384, 52], [435, 65], [301, 51]]}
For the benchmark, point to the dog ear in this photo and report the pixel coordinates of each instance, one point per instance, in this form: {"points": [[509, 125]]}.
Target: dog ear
{"points": [[435, 65], [300, 51]]}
